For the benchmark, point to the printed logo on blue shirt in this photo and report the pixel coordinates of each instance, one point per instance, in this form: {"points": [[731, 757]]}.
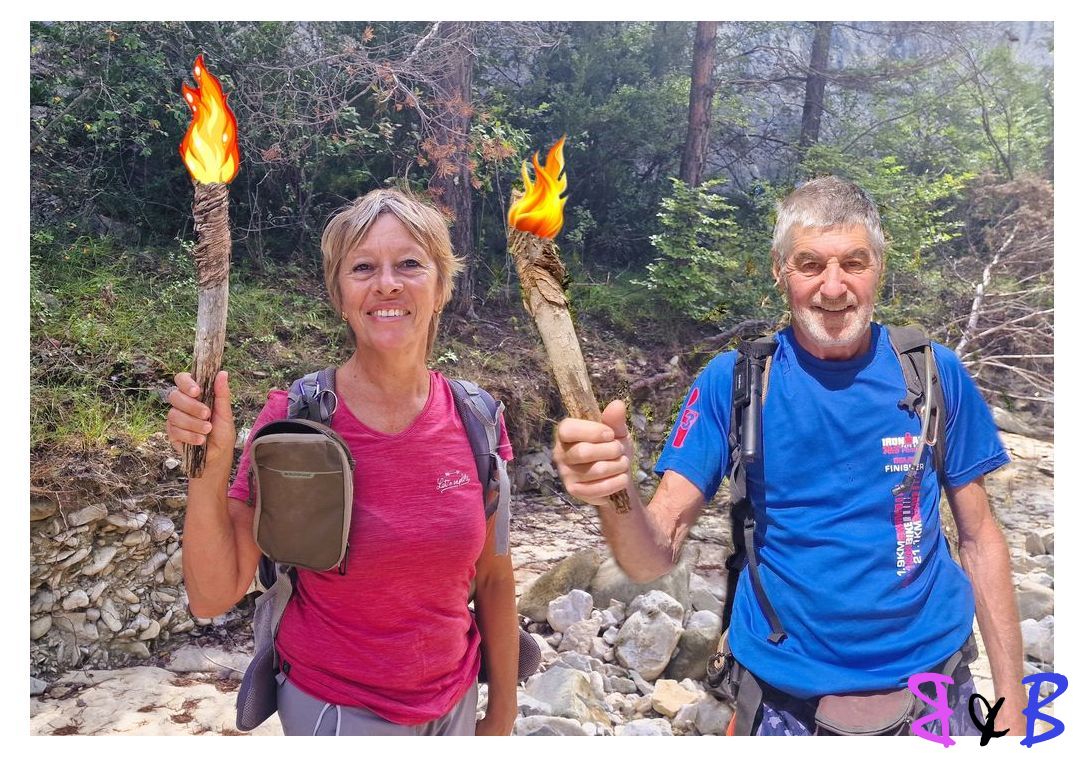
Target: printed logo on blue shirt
{"points": [[689, 418]]}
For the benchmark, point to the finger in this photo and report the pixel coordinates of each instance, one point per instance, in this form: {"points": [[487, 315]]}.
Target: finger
{"points": [[181, 435], [187, 384], [614, 417], [223, 410], [572, 430], [594, 472], [598, 492], [189, 406], [184, 423], [585, 453]]}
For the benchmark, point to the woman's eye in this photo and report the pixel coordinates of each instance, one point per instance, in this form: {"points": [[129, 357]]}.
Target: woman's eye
{"points": [[361, 267], [411, 263]]}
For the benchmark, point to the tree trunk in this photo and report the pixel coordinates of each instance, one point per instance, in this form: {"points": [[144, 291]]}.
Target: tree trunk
{"points": [[814, 103], [452, 175], [701, 88]]}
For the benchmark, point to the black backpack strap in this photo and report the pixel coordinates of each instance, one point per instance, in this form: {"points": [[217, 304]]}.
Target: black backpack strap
{"points": [[481, 416], [916, 357], [745, 443]]}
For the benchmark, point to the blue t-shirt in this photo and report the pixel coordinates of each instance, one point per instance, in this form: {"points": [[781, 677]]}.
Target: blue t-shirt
{"points": [[864, 586]]}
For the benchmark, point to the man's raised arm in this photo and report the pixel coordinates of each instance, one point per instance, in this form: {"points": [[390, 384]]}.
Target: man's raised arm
{"points": [[593, 460]]}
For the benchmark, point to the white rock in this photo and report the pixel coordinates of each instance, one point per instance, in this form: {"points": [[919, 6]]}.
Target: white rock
{"points": [[75, 599], [192, 658], [111, 617], [610, 636], [1034, 601], [645, 688], [566, 610], [88, 514], [529, 706], [153, 564], [701, 596], [598, 686], [580, 636], [621, 684], [152, 631], [42, 600], [1038, 638], [657, 601], [99, 560], [548, 726], [568, 693], [573, 660], [645, 728], [599, 649], [40, 626], [161, 527], [127, 595], [136, 539], [549, 655], [646, 642], [171, 572], [37, 686]]}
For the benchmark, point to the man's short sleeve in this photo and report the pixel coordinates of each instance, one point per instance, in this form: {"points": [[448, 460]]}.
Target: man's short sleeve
{"points": [[697, 446], [973, 447]]}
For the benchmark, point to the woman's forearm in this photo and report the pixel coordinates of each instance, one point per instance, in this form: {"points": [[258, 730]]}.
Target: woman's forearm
{"points": [[210, 556], [495, 609]]}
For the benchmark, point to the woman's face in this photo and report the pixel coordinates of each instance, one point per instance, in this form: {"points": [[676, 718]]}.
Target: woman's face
{"points": [[388, 284]]}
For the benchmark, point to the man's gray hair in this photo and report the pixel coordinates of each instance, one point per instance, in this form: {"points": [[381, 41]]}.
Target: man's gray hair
{"points": [[825, 202]]}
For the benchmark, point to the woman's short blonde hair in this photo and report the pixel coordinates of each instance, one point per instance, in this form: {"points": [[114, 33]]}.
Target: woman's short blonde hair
{"points": [[425, 223]]}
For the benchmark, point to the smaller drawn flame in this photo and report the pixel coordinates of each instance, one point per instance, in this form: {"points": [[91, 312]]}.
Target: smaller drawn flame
{"points": [[541, 210]]}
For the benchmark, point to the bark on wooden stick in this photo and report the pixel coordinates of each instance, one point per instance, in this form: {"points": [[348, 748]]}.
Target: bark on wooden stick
{"points": [[210, 209], [541, 274]]}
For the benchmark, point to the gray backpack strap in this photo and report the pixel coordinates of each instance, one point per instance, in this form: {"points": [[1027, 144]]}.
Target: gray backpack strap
{"points": [[313, 397], [481, 416], [916, 357]]}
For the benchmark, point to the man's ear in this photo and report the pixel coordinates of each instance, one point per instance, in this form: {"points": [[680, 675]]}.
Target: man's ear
{"points": [[777, 275]]}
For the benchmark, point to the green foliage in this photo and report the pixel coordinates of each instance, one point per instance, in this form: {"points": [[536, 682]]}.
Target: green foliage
{"points": [[110, 326], [915, 208], [707, 268]]}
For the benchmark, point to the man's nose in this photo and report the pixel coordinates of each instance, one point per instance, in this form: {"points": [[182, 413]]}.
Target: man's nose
{"points": [[832, 285]]}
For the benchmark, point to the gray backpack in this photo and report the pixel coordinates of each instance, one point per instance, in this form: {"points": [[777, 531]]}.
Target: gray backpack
{"points": [[303, 450]]}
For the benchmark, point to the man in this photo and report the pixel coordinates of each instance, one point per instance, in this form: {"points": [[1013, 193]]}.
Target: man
{"points": [[863, 583]]}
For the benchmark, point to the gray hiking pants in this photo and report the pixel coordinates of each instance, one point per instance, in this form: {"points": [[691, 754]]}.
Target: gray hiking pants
{"points": [[303, 714]]}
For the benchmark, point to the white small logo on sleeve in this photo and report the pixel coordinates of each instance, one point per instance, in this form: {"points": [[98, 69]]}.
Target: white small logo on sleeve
{"points": [[451, 480]]}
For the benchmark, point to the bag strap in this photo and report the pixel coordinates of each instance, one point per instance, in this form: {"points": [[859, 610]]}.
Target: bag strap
{"points": [[748, 389], [916, 357], [481, 416]]}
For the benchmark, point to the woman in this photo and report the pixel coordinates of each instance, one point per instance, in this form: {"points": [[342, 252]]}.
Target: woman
{"points": [[389, 647]]}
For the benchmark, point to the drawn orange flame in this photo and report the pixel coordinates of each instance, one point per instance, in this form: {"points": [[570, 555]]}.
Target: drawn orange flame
{"points": [[540, 210], [209, 148]]}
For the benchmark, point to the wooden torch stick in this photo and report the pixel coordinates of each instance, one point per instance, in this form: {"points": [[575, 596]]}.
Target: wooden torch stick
{"points": [[541, 274], [210, 209]]}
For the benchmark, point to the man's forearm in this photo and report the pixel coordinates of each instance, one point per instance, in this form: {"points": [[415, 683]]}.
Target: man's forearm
{"points": [[638, 539], [987, 563]]}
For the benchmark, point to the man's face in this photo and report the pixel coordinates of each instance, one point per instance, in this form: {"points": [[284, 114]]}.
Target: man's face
{"points": [[831, 277]]}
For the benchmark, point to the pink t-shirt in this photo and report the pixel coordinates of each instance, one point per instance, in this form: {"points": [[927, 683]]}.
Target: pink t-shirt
{"points": [[393, 634]]}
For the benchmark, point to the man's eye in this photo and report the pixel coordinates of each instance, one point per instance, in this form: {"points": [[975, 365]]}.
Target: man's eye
{"points": [[855, 266], [810, 267]]}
